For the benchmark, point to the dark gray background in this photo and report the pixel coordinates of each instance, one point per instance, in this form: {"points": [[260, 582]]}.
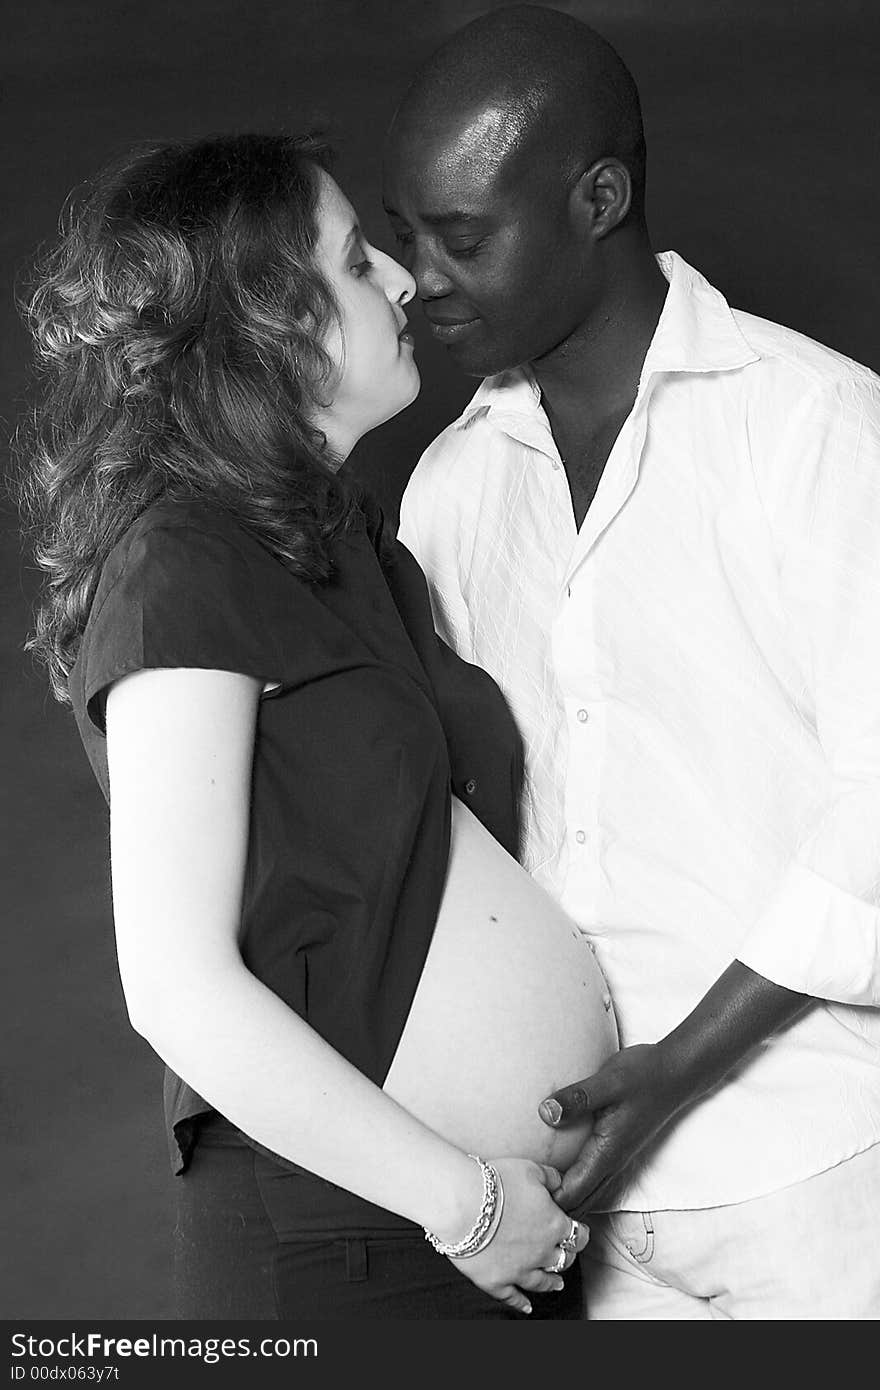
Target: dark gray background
{"points": [[762, 129]]}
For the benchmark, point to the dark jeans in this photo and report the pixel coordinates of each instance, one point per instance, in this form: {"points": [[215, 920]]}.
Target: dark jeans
{"points": [[257, 1240]]}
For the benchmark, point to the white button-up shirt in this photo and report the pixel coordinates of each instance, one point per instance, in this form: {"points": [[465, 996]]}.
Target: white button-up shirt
{"points": [[696, 673]]}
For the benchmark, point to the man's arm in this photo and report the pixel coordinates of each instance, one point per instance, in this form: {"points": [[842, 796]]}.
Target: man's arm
{"points": [[638, 1091]]}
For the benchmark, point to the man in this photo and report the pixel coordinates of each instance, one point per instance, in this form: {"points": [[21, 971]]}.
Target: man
{"points": [[657, 524]]}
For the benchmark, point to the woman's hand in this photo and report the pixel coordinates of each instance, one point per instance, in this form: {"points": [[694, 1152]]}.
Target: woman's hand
{"points": [[526, 1246]]}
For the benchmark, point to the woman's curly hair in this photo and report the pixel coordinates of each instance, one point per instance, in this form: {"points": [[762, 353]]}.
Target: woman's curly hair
{"points": [[179, 325]]}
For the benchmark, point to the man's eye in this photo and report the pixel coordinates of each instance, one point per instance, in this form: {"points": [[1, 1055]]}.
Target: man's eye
{"points": [[462, 250], [403, 238]]}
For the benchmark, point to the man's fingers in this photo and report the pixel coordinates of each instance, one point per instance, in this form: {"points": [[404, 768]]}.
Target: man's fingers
{"points": [[593, 1093], [575, 1193], [565, 1105], [593, 1186], [580, 1182], [606, 1194]]}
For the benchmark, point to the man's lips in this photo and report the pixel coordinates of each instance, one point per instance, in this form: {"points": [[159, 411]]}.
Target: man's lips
{"points": [[447, 328]]}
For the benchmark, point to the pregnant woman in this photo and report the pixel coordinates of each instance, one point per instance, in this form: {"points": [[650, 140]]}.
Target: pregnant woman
{"points": [[359, 995]]}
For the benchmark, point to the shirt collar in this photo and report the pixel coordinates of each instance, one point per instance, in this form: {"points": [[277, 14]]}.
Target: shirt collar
{"points": [[696, 332]]}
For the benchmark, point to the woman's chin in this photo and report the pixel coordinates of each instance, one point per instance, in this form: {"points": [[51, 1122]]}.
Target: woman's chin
{"points": [[415, 388], [403, 402]]}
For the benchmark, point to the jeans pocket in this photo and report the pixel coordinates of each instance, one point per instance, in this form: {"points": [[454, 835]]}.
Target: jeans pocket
{"points": [[633, 1231]]}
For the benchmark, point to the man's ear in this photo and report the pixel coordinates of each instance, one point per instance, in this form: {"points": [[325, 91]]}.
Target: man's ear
{"points": [[602, 197]]}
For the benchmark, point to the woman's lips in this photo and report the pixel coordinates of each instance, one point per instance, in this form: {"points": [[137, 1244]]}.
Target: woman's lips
{"points": [[406, 336]]}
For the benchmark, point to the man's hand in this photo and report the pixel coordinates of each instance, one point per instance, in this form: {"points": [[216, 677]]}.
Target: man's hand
{"points": [[632, 1097], [638, 1091]]}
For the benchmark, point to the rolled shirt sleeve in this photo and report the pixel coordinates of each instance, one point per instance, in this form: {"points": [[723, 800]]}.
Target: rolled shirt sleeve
{"points": [[819, 933]]}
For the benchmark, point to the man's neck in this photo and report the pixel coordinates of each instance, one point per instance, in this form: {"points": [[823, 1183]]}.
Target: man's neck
{"points": [[596, 371], [589, 384]]}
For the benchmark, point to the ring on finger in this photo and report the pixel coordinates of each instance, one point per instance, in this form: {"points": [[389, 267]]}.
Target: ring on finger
{"points": [[559, 1266], [570, 1241]]}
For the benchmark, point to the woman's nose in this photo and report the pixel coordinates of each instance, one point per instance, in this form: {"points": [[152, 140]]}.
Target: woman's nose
{"points": [[400, 286]]}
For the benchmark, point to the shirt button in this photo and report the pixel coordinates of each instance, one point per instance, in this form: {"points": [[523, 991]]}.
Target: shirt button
{"points": [[606, 1000], [583, 716], [470, 786], [580, 837]]}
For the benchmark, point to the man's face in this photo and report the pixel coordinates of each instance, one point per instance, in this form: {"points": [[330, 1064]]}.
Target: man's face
{"points": [[498, 266]]}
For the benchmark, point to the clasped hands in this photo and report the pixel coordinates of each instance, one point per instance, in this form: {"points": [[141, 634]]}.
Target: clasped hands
{"points": [[631, 1097], [535, 1242]]}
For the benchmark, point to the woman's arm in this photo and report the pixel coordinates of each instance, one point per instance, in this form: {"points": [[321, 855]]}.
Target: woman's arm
{"points": [[180, 747]]}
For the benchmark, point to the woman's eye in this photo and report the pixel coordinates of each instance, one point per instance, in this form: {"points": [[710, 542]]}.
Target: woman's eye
{"points": [[361, 268]]}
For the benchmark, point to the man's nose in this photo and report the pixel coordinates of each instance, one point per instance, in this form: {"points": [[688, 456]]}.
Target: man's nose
{"points": [[431, 281]]}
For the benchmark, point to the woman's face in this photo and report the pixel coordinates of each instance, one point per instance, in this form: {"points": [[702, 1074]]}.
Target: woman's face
{"points": [[376, 375]]}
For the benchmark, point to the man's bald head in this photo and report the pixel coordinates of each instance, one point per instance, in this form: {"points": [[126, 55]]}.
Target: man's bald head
{"points": [[514, 171], [527, 81]]}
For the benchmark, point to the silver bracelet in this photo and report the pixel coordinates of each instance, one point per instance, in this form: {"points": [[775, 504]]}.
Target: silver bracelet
{"points": [[486, 1224]]}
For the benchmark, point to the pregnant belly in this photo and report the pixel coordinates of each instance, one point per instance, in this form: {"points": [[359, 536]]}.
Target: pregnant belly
{"points": [[510, 1006]]}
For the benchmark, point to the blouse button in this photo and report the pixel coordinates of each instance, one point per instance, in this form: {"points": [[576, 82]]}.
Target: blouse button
{"points": [[470, 786]]}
